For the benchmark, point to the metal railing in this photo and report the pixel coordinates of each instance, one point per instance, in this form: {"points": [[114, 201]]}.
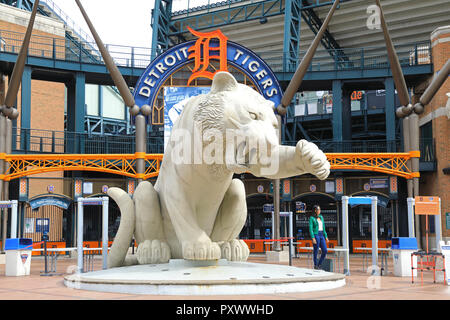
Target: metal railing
{"points": [[355, 146], [27, 141], [426, 147], [59, 48], [67, 49], [191, 6], [69, 22], [410, 54]]}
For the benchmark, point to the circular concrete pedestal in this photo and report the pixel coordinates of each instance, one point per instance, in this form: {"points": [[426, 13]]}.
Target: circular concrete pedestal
{"points": [[219, 277]]}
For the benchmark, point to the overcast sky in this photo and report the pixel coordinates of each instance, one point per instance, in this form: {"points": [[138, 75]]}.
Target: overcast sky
{"points": [[116, 21], [121, 22]]}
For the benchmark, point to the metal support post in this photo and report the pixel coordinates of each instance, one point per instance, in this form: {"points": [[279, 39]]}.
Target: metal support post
{"points": [[2, 170], [414, 146], [105, 203], [276, 215], [80, 236], [291, 234], [345, 243], [410, 202], [141, 145], [438, 228], [407, 148], [14, 211], [375, 270], [276, 201]]}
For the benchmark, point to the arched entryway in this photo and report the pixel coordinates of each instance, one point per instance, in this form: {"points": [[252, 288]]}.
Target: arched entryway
{"points": [[47, 212], [257, 221], [92, 222], [329, 212], [360, 222]]}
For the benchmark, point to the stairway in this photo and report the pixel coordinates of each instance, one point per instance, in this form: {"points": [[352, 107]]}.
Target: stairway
{"points": [[76, 38]]}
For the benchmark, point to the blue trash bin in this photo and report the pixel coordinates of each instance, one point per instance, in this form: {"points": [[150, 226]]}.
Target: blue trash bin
{"points": [[402, 248]]}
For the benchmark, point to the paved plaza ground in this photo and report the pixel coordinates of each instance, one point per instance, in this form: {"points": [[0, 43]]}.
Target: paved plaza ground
{"points": [[360, 285]]}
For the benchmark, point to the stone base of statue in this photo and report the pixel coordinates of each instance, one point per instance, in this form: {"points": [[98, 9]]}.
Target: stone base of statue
{"points": [[277, 256], [218, 277]]}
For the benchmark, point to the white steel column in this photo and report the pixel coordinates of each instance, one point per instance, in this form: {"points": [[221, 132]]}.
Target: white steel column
{"points": [[374, 205], [80, 235], [410, 202], [345, 243], [105, 203]]}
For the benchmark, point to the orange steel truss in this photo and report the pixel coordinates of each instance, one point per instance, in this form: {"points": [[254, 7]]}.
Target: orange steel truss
{"points": [[388, 163], [125, 164], [122, 164]]}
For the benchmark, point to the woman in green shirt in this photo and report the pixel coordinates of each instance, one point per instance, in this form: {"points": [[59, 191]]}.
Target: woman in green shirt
{"points": [[318, 235]]}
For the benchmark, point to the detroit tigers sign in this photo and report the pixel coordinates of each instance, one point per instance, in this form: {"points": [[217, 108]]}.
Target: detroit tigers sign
{"points": [[209, 46]]}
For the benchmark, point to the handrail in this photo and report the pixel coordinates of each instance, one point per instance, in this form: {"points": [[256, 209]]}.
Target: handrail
{"points": [[373, 57], [68, 21]]}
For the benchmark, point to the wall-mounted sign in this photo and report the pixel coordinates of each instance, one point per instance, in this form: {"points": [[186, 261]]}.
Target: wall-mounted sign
{"points": [[356, 95], [28, 225], [206, 48], [329, 186], [393, 185], [175, 99], [312, 188], [88, 187], [366, 186], [42, 225], [427, 205], [268, 208], [339, 186], [286, 190], [380, 183], [60, 202], [300, 207], [130, 187], [23, 189], [78, 188]]}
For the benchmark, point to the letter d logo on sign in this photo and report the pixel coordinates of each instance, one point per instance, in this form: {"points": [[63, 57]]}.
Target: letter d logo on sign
{"points": [[201, 52]]}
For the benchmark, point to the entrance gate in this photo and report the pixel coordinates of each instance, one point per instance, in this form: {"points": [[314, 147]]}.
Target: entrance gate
{"points": [[104, 202], [13, 205], [346, 201]]}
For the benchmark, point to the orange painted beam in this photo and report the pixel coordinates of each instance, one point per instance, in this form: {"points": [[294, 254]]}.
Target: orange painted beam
{"points": [[124, 164], [388, 163]]}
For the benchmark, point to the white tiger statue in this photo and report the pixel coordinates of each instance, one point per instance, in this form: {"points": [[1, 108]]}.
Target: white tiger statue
{"points": [[196, 210]]}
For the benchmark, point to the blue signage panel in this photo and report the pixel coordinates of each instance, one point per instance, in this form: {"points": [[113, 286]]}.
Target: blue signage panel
{"points": [[93, 203], [379, 183], [268, 208], [50, 201], [43, 225], [163, 66], [175, 99], [359, 200]]}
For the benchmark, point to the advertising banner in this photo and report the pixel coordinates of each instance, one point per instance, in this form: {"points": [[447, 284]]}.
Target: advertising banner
{"points": [[175, 99]]}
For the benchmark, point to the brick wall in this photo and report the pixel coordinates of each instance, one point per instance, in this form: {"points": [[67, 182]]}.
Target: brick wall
{"points": [[47, 98], [437, 183]]}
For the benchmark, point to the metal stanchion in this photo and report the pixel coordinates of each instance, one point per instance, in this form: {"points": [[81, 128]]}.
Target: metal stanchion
{"points": [[46, 273]]}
